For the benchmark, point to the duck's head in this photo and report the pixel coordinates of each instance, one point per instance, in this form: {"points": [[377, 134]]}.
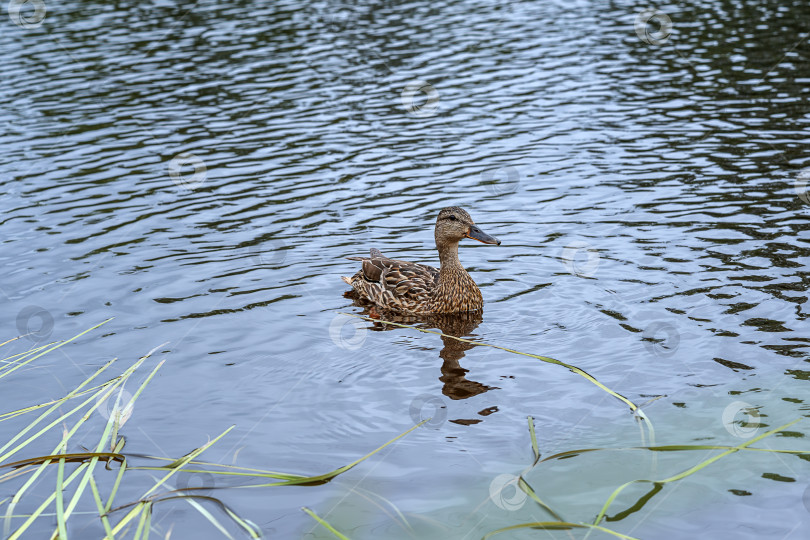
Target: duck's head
{"points": [[454, 224]]}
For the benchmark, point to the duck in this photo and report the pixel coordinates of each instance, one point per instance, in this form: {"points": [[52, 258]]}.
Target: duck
{"points": [[412, 288]]}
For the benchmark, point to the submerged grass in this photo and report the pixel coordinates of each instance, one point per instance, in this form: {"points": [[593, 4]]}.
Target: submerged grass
{"points": [[82, 470], [561, 524], [107, 461], [323, 522]]}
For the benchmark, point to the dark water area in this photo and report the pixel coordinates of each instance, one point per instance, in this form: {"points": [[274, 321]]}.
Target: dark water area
{"points": [[200, 171]]}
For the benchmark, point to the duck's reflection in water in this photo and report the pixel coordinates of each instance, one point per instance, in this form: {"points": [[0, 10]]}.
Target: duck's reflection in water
{"points": [[456, 384], [462, 325]]}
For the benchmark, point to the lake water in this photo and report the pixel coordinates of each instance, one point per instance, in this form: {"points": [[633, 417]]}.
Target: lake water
{"points": [[200, 171]]}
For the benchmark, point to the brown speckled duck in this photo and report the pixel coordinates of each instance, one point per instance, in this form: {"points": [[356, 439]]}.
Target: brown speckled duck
{"points": [[407, 287]]}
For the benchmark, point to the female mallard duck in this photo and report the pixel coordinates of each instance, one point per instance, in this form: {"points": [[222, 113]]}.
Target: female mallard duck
{"points": [[407, 287]]}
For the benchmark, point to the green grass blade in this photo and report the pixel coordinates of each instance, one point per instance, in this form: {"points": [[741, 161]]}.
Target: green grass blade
{"points": [[10, 340], [18, 365], [326, 525], [269, 474], [20, 412], [115, 487], [127, 518], [209, 516], [76, 457], [250, 472], [322, 478], [522, 484], [61, 523], [148, 524], [535, 448], [185, 460], [7, 362], [251, 528], [671, 448], [142, 521], [101, 510], [556, 526]]}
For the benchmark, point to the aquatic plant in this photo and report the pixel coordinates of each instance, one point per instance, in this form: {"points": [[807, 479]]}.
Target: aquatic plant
{"points": [[80, 470]]}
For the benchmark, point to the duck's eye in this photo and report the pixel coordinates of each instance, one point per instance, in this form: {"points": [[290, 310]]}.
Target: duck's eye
{"points": [[452, 218]]}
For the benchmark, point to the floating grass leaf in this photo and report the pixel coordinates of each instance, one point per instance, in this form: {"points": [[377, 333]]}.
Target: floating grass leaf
{"points": [[326, 525], [60, 500], [102, 511], [209, 516], [671, 448], [524, 485], [556, 526], [535, 447]]}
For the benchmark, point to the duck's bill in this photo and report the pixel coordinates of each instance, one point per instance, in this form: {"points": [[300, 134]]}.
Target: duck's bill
{"points": [[477, 234]]}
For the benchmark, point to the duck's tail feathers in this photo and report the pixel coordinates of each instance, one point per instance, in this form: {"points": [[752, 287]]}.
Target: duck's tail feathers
{"points": [[346, 279], [375, 254]]}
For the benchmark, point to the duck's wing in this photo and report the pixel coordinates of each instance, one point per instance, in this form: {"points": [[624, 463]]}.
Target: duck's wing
{"points": [[392, 283]]}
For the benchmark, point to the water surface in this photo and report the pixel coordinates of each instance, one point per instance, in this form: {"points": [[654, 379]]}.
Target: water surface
{"points": [[200, 171]]}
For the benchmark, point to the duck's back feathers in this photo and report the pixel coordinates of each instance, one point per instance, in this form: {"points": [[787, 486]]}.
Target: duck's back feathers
{"points": [[398, 284]]}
